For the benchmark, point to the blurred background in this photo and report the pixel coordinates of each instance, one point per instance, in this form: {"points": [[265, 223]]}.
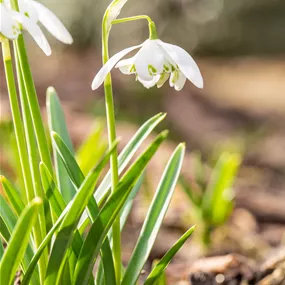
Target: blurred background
{"points": [[240, 49]]}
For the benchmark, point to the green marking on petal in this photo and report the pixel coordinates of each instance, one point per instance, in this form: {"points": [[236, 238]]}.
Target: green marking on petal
{"points": [[175, 76], [133, 68], [152, 70], [27, 14], [166, 68], [163, 78]]}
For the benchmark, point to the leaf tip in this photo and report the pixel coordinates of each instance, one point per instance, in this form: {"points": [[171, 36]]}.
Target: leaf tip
{"points": [[164, 133], [54, 134], [2, 178], [37, 201], [51, 91]]}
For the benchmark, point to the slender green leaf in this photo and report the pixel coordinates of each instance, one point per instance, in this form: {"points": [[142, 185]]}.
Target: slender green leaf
{"points": [[125, 157], [166, 259], [219, 194], [68, 159], [18, 243], [4, 231], [56, 201], [129, 203], [8, 216], [73, 169], [57, 204], [128, 152], [155, 215], [123, 218], [45, 242], [96, 138], [109, 213], [194, 197], [1, 250], [12, 196], [69, 223], [93, 210], [56, 120], [8, 222]]}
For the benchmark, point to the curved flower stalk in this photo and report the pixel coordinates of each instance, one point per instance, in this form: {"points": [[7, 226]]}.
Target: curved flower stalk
{"points": [[32, 12], [154, 64]]}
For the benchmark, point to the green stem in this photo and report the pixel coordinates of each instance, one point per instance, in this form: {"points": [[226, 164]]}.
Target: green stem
{"points": [[32, 98], [151, 24], [114, 157], [33, 103], [34, 162], [20, 139], [17, 122], [134, 18], [206, 235]]}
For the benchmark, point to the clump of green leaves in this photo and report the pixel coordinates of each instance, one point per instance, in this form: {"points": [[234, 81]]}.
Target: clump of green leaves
{"points": [[71, 249], [60, 220], [213, 198]]}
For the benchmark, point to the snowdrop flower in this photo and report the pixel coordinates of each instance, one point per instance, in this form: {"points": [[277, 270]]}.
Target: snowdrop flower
{"points": [[154, 64], [32, 12], [10, 28]]}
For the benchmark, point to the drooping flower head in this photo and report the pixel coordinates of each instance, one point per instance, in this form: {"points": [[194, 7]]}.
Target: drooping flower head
{"points": [[32, 12], [9, 27], [154, 64]]}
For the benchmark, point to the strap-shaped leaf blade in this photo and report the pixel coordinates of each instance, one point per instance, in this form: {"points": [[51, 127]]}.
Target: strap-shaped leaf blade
{"points": [[218, 198], [8, 221], [45, 242], [56, 201], [128, 152], [109, 213], [125, 156], [56, 122], [95, 138], [155, 215], [69, 223], [123, 218], [12, 195], [93, 210], [18, 242], [166, 259]]}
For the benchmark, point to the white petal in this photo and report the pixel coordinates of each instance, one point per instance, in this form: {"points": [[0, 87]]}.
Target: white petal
{"points": [[35, 32], [100, 76], [149, 83], [127, 61], [180, 82], [8, 26], [28, 9], [126, 66], [185, 62], [149, 60], [52, 23]]}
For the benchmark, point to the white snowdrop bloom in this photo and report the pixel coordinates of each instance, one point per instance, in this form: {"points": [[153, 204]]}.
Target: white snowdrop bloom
{"points": [[32, 12], [10, 28], [154, 64], [39, 13]]}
